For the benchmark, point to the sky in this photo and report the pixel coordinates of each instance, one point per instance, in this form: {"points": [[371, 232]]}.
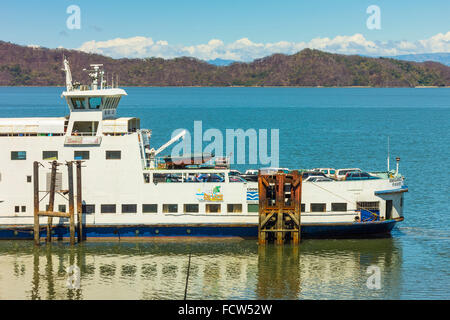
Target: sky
{"points": [[236, 30]]}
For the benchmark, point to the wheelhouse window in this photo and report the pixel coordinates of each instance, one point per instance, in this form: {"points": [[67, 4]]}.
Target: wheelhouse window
{"points": [[49, 155], [339, 206], [113, 155], [108, 208], [191, 208], [78, 103], [129, 208], [62, 208], [170, 208], [213, 208], [95, 102], [81, 155], [253, 207], [318, 207], [18, 155], [149, 208], [234, 208]]}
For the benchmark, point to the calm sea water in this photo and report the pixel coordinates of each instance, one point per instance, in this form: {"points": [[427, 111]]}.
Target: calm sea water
{"points": [[318, 128]]}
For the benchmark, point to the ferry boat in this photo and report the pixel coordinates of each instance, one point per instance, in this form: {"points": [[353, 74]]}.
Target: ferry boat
{"points": [[130, 192]]}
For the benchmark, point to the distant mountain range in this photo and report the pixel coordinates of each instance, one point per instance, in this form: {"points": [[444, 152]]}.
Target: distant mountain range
{"points": [[441, 57], [31, 66], [220, 62]]}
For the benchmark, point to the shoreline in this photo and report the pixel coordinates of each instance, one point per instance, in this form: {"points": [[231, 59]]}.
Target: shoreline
{"points": [[316, 87]]}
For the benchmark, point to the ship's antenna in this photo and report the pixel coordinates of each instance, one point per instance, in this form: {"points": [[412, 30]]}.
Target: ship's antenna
{"points": [[388, 154]]}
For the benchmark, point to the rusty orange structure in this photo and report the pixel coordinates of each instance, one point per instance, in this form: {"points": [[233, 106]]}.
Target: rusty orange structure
{"points": [[280, 198]]}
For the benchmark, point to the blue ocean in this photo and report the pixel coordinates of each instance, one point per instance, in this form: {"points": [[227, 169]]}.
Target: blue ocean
{"points": [[318, 127]]}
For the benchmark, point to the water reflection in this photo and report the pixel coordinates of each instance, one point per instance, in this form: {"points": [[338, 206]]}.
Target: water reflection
{"points": [[318, 269]]}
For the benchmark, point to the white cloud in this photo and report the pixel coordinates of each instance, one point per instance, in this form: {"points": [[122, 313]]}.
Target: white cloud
{"points": [[246, 50]]}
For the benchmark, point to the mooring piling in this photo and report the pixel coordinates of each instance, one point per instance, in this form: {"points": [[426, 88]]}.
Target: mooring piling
{"points": [[50, 212], [79, 203], [279, 207]]}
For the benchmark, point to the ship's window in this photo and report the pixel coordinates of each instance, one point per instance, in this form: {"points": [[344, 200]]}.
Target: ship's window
{"points": [[318, 207], [170, 208], [339, 206], [113, 155], [28, 178], [81, 155], [167, 177], [84, 128], [303, 208], [90, 208], [149, 208], [18, 155], [190, 208], [108, 208], [129, 208], [368, 205], [146, 177], [62, 208], [212, 208], [17, 209], [253, 207], [49, 155], [78, 103], [234, 208], [23, 208], [95, 102]]}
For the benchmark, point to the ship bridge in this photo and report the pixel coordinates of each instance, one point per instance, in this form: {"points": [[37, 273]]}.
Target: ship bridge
{"points": [[93, 108]]}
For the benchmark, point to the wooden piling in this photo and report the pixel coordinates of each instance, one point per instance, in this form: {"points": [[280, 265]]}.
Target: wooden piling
{"points": [[50, 212], [280, 199], [51, 201], [79, 203], [279, 207], [71, 203], [36, 201]]}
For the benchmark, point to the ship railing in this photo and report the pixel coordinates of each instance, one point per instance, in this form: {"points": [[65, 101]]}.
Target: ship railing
{"points": [[159, 163], [84, 134]]}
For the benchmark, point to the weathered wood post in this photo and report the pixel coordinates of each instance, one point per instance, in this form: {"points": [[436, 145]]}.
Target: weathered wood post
{"points": [[51, 202], [36, 201], [79, 204], [262, 236], [71, 203], [280, 179], [296, 196]]}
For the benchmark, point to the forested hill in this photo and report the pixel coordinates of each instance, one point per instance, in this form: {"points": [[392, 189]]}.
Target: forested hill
{"points": [[27, 66]]}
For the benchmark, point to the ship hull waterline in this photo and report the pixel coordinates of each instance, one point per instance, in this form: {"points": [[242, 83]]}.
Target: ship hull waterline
{"points": [[199, 231]]}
